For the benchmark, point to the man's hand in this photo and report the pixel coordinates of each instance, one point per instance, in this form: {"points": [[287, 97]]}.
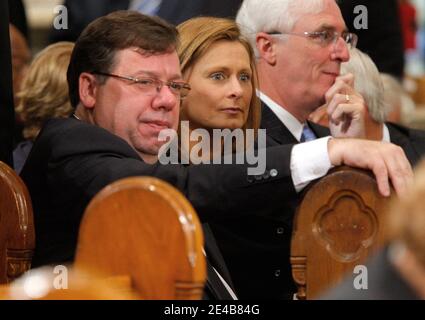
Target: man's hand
{"points": [[346, 109], [386, 160]]}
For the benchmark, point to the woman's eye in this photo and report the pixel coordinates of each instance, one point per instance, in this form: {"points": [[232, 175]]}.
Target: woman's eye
{"points": [[245, 77], [217, 76]]}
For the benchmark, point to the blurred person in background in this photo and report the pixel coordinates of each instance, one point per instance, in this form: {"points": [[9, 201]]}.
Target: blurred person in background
{"points": [[21, 58], [43, 95], [401, 106]]}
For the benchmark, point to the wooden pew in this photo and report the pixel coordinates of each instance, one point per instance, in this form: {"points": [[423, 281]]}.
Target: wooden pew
{"points": [[338, 224], [144, 230], [45, 283], [17, 236]]}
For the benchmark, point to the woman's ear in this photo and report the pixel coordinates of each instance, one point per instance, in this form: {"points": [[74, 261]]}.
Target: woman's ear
{"points": [[87, 89], [266, 47]]}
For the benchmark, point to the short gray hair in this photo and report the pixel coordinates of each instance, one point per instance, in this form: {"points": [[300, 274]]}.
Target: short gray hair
{"points": [[273, 15], [367, 82]]}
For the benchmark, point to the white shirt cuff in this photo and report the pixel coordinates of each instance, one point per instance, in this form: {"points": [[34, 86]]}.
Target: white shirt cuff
{"points": [[309, 161]]}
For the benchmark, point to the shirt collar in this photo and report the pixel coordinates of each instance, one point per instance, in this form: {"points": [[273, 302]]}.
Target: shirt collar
{"points": [[290, 122], [386, 134]]}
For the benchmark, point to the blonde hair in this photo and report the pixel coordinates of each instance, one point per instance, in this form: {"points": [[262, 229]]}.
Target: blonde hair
{"points": [[44, 90], [196, 37], [407, 216]]}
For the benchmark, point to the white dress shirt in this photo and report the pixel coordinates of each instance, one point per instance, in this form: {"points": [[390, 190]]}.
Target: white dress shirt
{"points": [[226, 285], [309, 160], [386, 134]]}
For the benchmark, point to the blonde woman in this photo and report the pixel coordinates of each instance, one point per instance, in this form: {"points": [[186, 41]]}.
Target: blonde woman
{"points": [[43, 95], [219, 65]]}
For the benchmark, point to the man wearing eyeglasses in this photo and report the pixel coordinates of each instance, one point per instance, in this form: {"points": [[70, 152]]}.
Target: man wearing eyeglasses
{"points": [[300, 46], [126, 85]]}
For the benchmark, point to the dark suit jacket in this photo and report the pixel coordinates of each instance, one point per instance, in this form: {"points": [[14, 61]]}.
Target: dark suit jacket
{"points": [[214, 288], [256, 249], [71, 161], [384, 283], [82, 12], [7, 112], [412, 141], [278, 133]]}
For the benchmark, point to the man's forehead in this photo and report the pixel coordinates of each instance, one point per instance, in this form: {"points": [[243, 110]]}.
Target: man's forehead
{"points": [[325, 20], [140, 61]]}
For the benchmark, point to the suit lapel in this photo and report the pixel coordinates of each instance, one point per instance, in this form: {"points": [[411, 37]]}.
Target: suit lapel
{"points": [[214, 254], [276, 130]]}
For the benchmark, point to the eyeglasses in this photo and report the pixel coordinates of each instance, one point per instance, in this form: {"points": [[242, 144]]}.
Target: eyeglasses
{"points": [[151, 86], [326, 37]]}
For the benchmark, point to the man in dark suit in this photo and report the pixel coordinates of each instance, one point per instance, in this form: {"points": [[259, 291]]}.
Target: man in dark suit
{"points": [[82, 12], [299, 53], [7, 111], [126, 85]]}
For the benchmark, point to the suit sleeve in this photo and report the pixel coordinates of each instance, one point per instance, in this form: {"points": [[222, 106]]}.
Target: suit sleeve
{"points": [[214, 190]]}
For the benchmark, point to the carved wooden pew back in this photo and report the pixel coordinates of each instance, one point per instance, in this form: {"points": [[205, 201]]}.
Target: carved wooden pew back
{"points": [[144, 229], [338, 224], [17, 236]]}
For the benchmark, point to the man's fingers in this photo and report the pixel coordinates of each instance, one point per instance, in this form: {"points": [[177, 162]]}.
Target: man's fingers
{"points": [[336, 100], [347, 79], [382, 178], [342, 111], [343, 85], [400, 171], [387, 161]]}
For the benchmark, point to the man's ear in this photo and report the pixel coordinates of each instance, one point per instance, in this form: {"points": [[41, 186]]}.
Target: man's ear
{"points": [[266, 47], [87, 89]]}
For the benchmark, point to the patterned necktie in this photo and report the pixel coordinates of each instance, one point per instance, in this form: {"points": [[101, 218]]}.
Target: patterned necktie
{"points": [[148, 7], [307, 134]]}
